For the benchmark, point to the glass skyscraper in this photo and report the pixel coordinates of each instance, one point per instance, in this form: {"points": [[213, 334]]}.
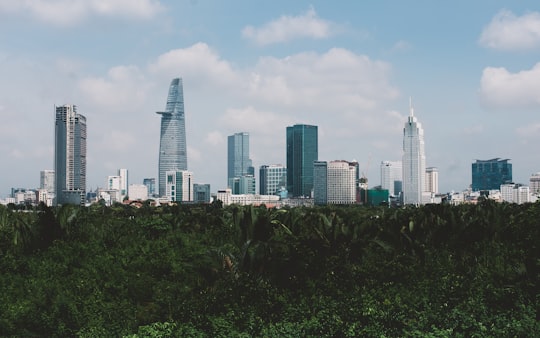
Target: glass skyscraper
{"points": [[414, 161], [69, 156], [490, 174], [238, 162], [273, 179], [172, 143], [302, 151]]}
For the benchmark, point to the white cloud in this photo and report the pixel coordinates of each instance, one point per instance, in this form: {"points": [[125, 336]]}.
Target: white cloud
{"points": [[199, 63], [70, 12], [286, 28], [500, 88], [337, 81], [531, 130], [507, 31], [124, 89], [250, 120]]}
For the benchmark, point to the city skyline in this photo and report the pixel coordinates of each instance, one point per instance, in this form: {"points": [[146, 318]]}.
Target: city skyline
{"points": [[347, 68]]}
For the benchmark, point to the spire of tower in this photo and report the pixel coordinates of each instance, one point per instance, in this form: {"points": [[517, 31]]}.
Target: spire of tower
{"points": [[411, 106]]}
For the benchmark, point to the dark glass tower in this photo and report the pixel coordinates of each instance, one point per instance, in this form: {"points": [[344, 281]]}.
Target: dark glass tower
{"points": [[490, 174], [172, 143], [69, 156], [302, 151]]}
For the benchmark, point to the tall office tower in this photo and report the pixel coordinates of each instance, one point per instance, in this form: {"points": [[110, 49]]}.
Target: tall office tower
{"points": [[272, 179], [242, 185], [414, 161], [391, 177], [70, 156], [432, 180], [490, 174], [46, 181], [151, 185], [534, 183], [302, 151], [172, 143], [238, 161], [179, 185]]}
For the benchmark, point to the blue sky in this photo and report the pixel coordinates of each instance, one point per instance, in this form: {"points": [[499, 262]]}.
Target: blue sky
{"points": [[472, 69]]}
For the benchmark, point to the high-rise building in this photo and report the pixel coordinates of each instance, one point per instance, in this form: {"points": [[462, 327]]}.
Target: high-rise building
{"points": [[172, 143], [46, 181], [70, 156], [238, 162], [391, 177], [244, 184], [179, 185], [151, 185], [432, 180], [272, 179], [490, 174], [302, 151], [414, 161], [124, 182]]}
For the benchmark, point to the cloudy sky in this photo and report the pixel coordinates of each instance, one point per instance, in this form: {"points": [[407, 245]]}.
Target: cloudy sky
{"points": [[472, 69]]}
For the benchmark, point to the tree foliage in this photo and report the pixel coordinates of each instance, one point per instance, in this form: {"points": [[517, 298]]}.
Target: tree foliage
{"points": [[214, 271]]}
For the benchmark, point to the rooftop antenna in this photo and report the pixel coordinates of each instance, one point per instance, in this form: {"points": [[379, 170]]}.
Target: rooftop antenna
{"points": [[410, 106]]}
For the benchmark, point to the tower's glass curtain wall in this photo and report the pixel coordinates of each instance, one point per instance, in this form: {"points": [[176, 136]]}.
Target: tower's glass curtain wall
{"points": [[302, 151], [70, 155], [238, 162], [414, 161], [172, 143]]}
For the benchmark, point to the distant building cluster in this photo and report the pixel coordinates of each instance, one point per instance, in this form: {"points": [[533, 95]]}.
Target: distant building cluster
{"points": [[304, 180]]}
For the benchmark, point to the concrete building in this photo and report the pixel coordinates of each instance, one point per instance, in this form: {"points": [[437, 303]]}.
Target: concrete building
{"points": [[334, 182], [179, 186], [46, 181], [138, 192], [272, 179], [432, 180]]}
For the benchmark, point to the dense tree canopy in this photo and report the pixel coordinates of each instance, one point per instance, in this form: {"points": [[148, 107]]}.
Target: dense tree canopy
{"points": [[213, 271]]}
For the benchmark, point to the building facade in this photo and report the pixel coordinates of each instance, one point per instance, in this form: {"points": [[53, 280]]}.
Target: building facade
{"points": [[414, 161], [150, 185], [392, 177], [238, 162], [534, 183], [138, 192], [302, 151], [201, 193], [491, 174], [272, 179], [172, 143], [70, 156], [334, 182], [179, 186], [46, 181], [432, 180]]}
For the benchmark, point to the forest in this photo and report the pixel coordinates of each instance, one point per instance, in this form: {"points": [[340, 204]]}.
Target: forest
{"points": [[205, 270]]}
